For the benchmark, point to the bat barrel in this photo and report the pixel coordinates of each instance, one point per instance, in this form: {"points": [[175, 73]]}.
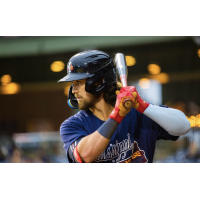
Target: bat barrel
{"points": [[120, 62]]}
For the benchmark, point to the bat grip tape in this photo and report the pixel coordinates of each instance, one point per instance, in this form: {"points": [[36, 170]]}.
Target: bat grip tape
{"points": [[108, 128]]}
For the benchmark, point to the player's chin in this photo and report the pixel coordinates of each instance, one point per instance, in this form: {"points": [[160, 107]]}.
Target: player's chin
{"points": [[82, 106]]}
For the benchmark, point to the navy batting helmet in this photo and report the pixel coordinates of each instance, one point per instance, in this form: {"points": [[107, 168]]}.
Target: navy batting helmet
{"points": [[96, 66]]}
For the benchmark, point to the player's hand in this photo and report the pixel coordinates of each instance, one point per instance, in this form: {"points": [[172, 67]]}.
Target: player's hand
{"points": [[120, 111], [121, 96], [139, 104]]}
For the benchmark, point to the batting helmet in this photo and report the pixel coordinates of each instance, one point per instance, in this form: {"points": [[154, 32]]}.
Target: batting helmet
{"points": [[96, 66]]}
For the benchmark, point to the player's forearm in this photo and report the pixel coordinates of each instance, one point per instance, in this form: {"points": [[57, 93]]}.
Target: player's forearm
{"points": [[172, 120], [93, 145]]}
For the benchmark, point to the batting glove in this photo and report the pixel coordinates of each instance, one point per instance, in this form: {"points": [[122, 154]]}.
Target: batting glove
{"points": [[139, 104], [119, 111]]}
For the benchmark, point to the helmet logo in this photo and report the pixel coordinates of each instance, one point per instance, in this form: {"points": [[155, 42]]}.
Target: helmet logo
{"points": [[70, 68]]}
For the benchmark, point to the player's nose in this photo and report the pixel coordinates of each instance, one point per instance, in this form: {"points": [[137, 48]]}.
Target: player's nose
{"points": [[75, 89]]}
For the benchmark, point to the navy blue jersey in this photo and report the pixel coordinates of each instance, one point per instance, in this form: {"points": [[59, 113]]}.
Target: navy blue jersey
{"points": [[133, 141]]}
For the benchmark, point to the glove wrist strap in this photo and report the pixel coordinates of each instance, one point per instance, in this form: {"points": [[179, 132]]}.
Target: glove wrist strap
{"points": [[142, 105], [115, 115]]}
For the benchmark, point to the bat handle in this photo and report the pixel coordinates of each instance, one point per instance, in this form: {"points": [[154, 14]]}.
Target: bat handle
{"points": [[127, 103], [123, 79]]}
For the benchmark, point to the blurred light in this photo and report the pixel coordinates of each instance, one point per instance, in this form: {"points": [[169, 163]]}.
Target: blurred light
{"points": [[162, 77], [57, 66], [153, 94], [11, 88], [5, 79], [194, 121], [66, 90], [130, 60], [153, 69], [144, 83], [198, 52]]}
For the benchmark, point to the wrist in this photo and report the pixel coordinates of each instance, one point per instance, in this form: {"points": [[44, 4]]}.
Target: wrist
{"points": [[143, 105], [116, 116], [108, 128]]}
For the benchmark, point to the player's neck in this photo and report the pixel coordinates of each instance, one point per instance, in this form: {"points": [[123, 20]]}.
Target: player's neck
{"points": [[102, 110]]}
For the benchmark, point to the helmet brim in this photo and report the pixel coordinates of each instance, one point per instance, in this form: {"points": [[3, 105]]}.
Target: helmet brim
{"points": [[75, 77]]}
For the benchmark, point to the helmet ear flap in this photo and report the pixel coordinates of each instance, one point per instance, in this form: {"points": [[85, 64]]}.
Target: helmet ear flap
{"points": [[101, 80], [72, 102], [93, 83]]}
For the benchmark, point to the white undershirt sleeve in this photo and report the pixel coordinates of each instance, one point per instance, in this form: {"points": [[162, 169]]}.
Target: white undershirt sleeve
{"points": [[172, 120]]}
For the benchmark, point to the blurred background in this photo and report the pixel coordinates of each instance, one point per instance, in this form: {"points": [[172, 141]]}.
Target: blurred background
{"points": [[165, 70]]}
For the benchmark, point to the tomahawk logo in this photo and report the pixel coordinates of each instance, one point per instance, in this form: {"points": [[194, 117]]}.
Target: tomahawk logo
{"points": [[138, 155]]}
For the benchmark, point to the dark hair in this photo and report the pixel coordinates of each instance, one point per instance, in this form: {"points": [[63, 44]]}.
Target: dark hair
{"points": [[110, 93]]}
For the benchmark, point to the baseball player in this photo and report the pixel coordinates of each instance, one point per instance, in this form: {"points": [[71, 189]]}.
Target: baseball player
{"points": [[103, 131]]}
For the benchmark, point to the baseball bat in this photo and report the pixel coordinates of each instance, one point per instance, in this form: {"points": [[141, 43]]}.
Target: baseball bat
{"points": [[123, 73]]}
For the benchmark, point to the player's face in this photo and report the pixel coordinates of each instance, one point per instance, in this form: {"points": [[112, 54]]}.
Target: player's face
{"points": [[85, 99]]}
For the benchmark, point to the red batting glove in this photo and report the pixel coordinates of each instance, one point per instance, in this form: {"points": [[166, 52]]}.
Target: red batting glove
{"points": [[119, 111], [139, 104]]}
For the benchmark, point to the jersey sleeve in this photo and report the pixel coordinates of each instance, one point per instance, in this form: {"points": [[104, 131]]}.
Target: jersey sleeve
{"points": [[71, 131], [162, 134], [72, 153]]}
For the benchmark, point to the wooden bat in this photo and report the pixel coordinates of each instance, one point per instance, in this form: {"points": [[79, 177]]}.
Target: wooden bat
{"points": [[123, 73]]}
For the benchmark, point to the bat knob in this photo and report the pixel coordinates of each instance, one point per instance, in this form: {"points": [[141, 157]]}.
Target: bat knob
{"points": [[127, 103]]}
